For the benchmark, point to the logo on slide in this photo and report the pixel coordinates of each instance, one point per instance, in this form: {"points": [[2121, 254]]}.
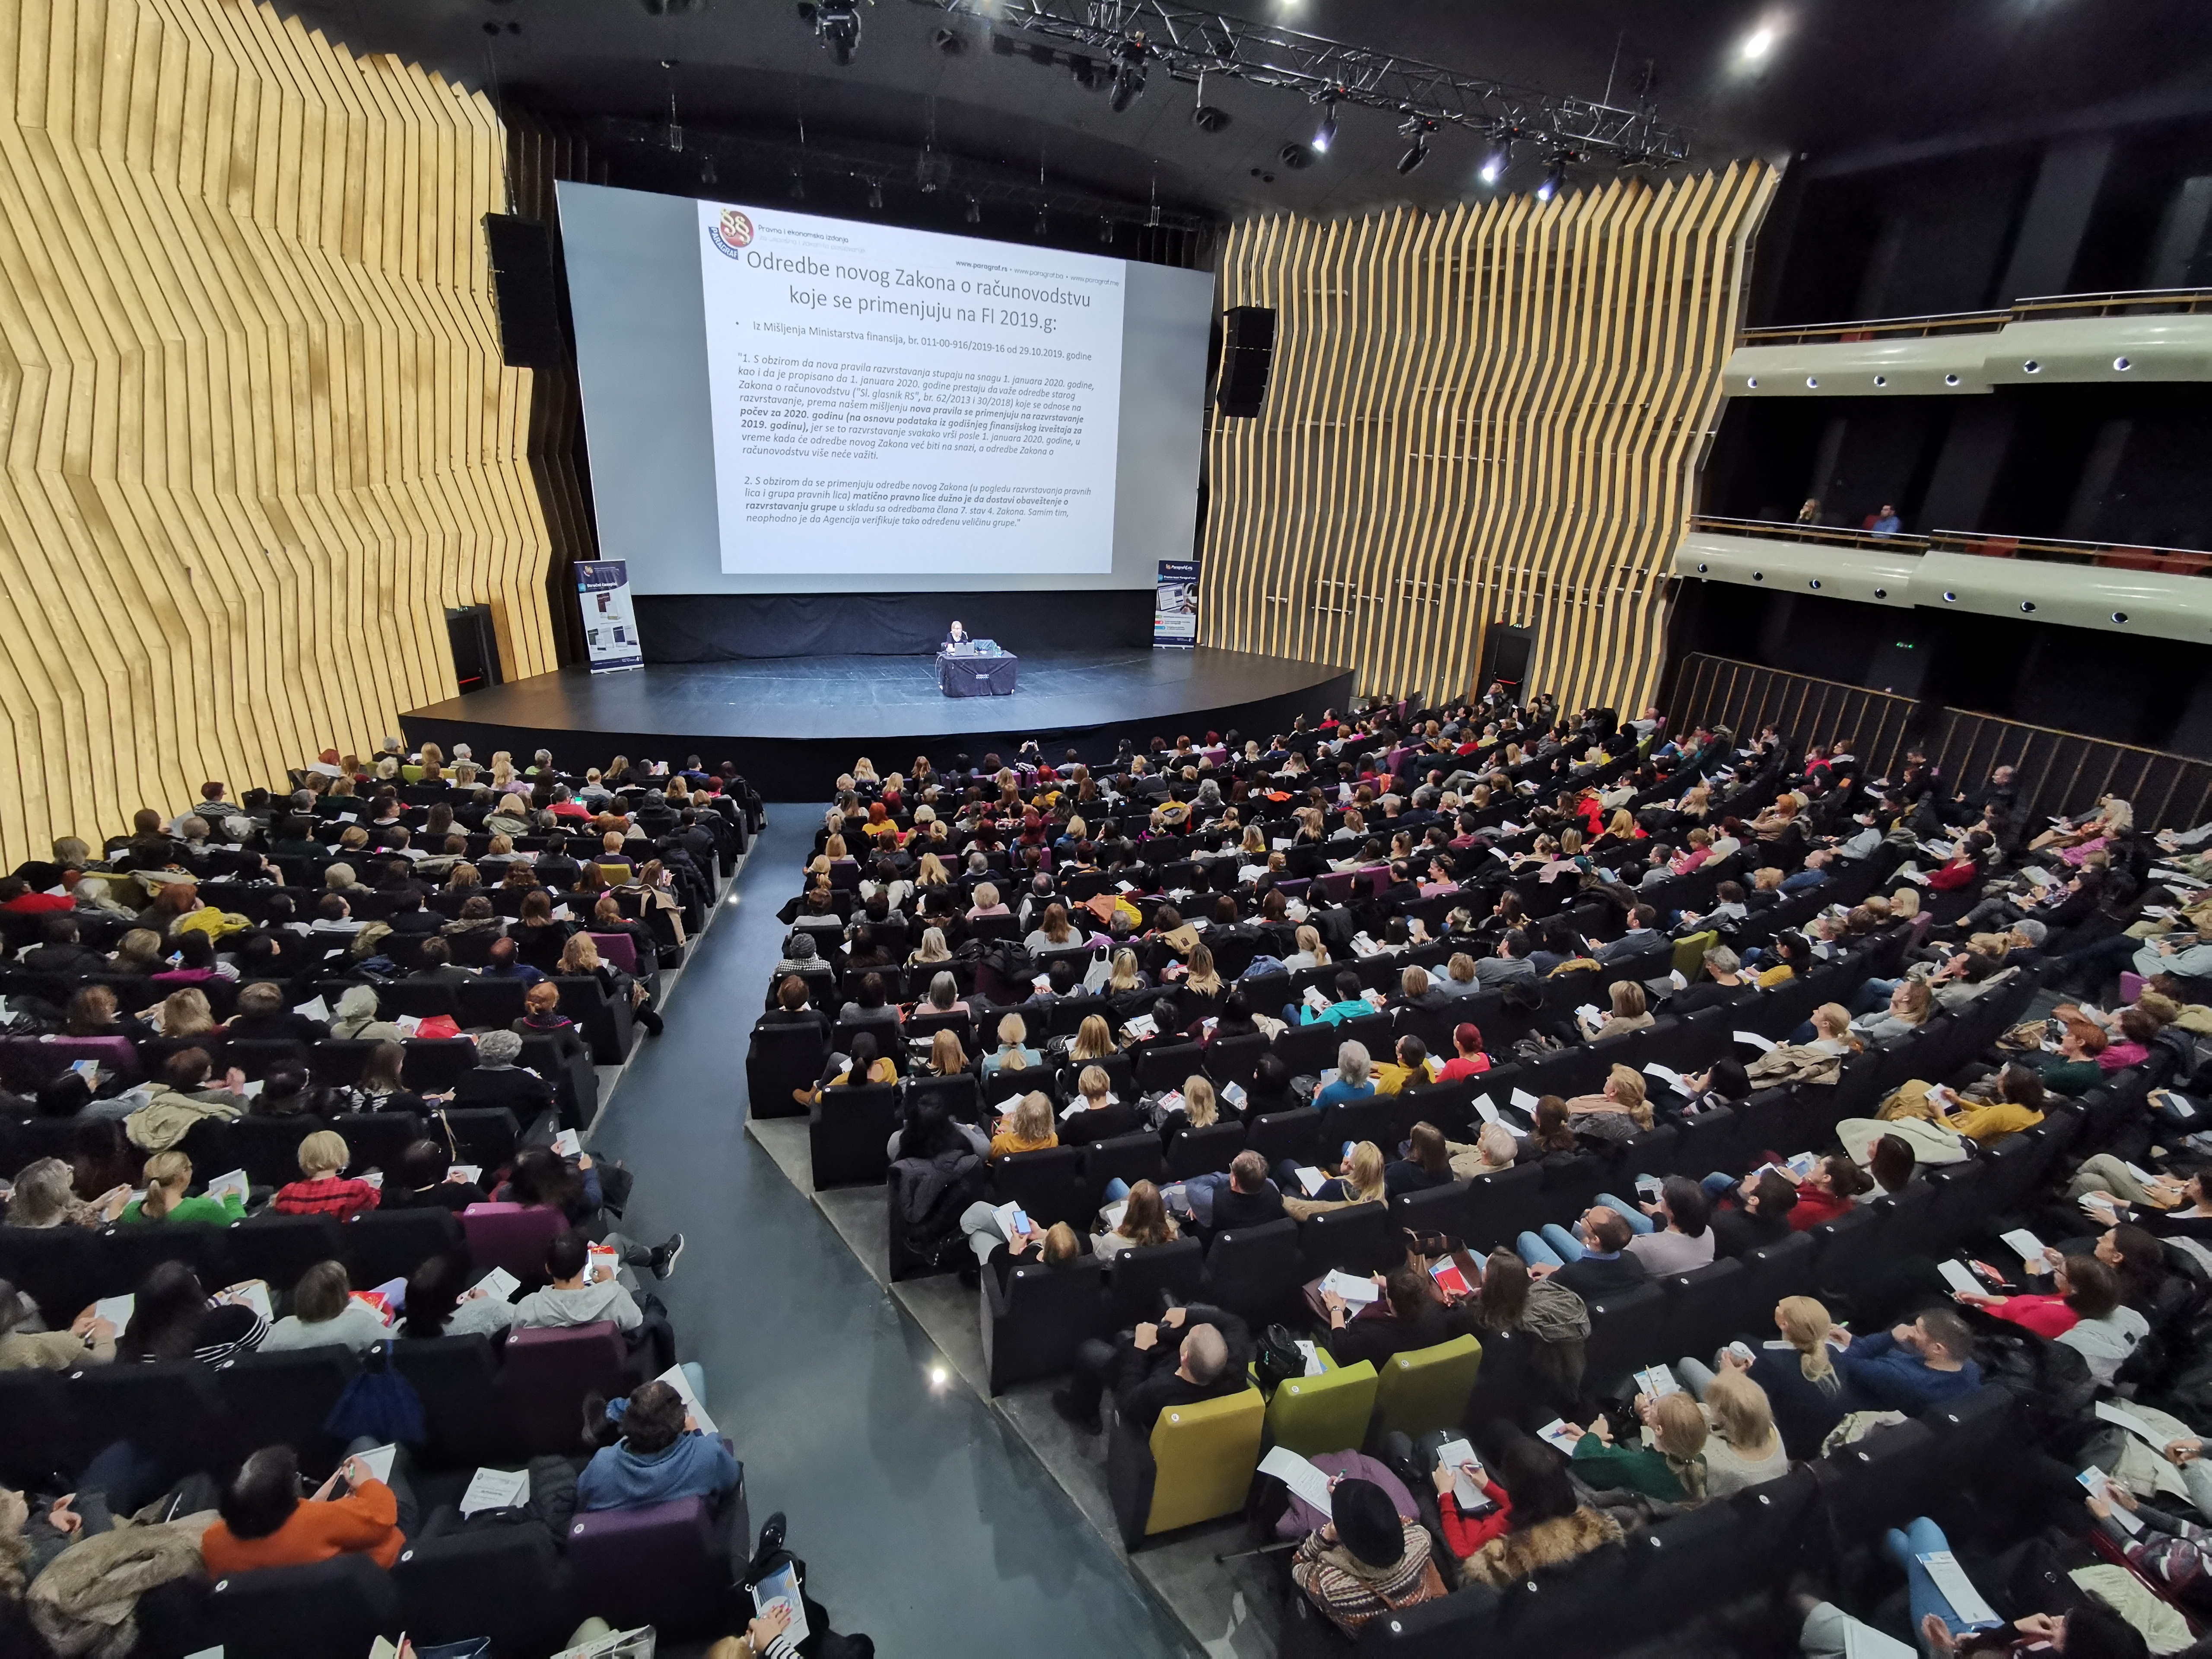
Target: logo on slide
{"points": [[734, 234]]}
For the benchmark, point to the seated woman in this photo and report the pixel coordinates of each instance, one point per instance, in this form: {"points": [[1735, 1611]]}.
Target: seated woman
{"points": [[1411, 1314], [943, 997], [1629, 1013], [379, 1088], [172, 1318], [1743, 1449], [1796, 1376], [167, 1175], [45, 1196], [1144, 1221], [1617, 1112], [1368, 1561], [1013, 1050], [1354, 1080], [323, 1188], [1359, 1180], [1835, 1185], [1725, 1083], [1910, 1005], [1547, 1525], [1427, 1163], [1667, 1463], [1102, 1117], [864, 1065], [579, 958], [1552, 1139], [542, 1016], [2011, 1101], [89, 1340], [426, 1180], [440, 1302], [1198, 1109], [266, 1523], [1494, 1149], [662, 1455], [324, 1314], [946, 1057], [1469, 1059], [356, 1019], [871, 1007], [1028, 1128], [2082, 1287], [1820, 1060], [1270, 1089]]}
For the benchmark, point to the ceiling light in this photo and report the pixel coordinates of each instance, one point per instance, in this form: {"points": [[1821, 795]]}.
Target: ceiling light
{"points": [[974, 213], [875, 193], [1757, 45], [1042, 225], [1495, 163], [1554, 176], [837, 26], [950, 41], [1295, 156], [1207, 118], [1325, 134]]}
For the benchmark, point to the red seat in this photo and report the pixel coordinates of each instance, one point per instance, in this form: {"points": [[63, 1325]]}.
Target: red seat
{"points": [[616, 951], [548, 1373], [512, 1236]]}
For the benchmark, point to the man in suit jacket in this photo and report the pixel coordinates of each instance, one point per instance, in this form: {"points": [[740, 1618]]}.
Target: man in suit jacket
{"points": [[1642, 935]]}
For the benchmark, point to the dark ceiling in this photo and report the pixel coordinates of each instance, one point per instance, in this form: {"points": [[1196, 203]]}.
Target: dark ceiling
{"points": [[1841, 75]]}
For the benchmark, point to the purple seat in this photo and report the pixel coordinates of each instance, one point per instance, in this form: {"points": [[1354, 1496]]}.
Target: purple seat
{"points": [[618, 951], [549, 1372], [512, 1236], [1336, 885], [664, 1565], [28, 1062]]}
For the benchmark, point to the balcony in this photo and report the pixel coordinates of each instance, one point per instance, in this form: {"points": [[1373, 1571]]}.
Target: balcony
{"points": [[2160, 334], [2157, 591]]}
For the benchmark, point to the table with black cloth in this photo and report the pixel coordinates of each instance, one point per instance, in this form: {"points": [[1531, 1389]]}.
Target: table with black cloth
{"points": [[966, 674]]}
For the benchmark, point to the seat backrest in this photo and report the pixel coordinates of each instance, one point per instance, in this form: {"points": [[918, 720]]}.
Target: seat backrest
{"points": [[457, 1378], [338, 1606], [1360, 1239], [1138, 1277], [618, 951], [659, 1564], [283, 1398], [1310, 1415], [1705, 1306], [1254, 1271], [1503, 1206], [1130, 1157], [1203, 1457], [549, 1372], [1627, 1330], [385, 1244], [267, 1148], [1294, 1134], [1200, 1151], [1048, 1185], [1882, 1480], [1427, 1389], [512, 1236], [280, 1248], [848, 1133], [504, 1583], [1033, 1324]]}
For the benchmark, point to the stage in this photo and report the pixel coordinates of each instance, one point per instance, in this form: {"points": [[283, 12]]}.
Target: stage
{"points": [[793, 724]]}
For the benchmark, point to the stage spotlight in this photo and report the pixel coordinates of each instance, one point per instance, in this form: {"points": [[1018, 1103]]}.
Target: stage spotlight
{"points": [[1554, 176], [931, 171], [1757, 45], [1417, 128], [837, 26], [1325, 134], [707, 170], [1495, 163], [798, 192], [876, 194], [1128, 74], [1043, 224], [974, 213], [1105, 230]]}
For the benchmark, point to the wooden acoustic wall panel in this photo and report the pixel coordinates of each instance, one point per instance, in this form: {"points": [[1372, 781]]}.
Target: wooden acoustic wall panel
{"points": [[254, 431], [1491, 413]]}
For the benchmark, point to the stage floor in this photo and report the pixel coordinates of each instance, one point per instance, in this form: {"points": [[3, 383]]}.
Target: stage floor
{"points": [[802, 713]]}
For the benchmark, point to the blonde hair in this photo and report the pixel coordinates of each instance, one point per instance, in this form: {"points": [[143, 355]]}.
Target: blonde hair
{"points": [[1124, 976], [1198, 1101], [1627, 999], [1904, 904], [946, 1056], [1202, 978], [1681, 1432], [1837, 1019], [1309, 938], [1363, 1172], [1804, 1323], [166, 1175], [1414, 982], [186, 1014], [1741, 1414], [1094, 1039], [1092, 1083], [323, 1153], [987, 895], [1461, 968], [932, 946], [1033, 1117]]}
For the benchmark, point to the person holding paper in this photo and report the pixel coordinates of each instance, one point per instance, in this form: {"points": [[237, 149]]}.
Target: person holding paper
{"points": [[572, 1298], [166, 1175], [1353, 1080], [663, 1455], [1468, 1058], [1617, 1112], [323, 1188], [89, 1340], [1548, 1526], [1668, 1464], [326, 1314], [1192, 1354], [266, 1523], [426, 1179], [1419, 1317], [2081, 1288], [2169, 1550]]}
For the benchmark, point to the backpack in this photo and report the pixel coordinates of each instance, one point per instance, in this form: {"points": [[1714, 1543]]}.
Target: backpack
{"points": [[1277, 1359]]}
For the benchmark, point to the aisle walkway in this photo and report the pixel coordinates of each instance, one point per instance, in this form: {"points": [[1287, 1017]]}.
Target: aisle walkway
{"points": [[923, 1520]]}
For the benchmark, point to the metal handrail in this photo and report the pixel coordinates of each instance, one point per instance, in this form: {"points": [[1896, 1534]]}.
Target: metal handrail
{"points": [[2042, 305], [2111, 556], [1777, 529]]}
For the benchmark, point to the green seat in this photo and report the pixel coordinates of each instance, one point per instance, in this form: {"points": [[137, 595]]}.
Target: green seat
{"points": [[1690, 952], [1428, 1387], [1197, 1465], [1330, 1413], [410, 774]]}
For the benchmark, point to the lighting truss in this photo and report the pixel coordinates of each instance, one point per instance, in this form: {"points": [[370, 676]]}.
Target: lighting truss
{"points": [[1185, 43]]}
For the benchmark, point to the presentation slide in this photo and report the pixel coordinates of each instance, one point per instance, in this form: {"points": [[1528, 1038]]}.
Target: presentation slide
{"points": [[782, 403], [888, 399]]}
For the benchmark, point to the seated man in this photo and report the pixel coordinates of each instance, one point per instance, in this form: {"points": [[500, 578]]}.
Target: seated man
{"points": [[1192, 1354], [572, 1298], [1245, 1197], [662, 1455], [500, 963], [1604, 1263], [1911, 1367]]}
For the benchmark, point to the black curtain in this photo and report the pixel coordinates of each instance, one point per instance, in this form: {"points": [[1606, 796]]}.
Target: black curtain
{"points": [[722, 627]]}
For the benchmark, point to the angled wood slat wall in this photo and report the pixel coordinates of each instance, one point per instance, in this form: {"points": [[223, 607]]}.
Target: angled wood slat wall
{"points": [[1487, 414], [255, 434]]}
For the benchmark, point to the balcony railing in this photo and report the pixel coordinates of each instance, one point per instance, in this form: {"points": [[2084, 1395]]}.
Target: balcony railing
{"points": [[2109, 556], [2041, 308]]}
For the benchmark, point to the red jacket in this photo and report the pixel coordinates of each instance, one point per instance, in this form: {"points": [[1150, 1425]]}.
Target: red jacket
{"points": [[1464, 1537], [2044, 1313], [1814, 1206]]}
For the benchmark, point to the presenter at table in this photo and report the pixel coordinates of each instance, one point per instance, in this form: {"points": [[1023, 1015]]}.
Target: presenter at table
{"points": [[958, 635]]}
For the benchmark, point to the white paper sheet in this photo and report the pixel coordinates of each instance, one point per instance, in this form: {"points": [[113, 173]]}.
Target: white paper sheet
{"points": [[1358, 1291], [1956, 1275], [1523, 1100], [568, 1144], [498, 1284], [674, 1378], [378, 1460], [494, 1489], [2029, 1246], [1954, 1586], [1307, 1483], [1467, 1489], [1310, 1178], [1765, 1046], [1561, 1434], [115, 1309]]}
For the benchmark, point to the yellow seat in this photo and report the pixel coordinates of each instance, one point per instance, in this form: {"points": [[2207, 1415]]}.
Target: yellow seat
{"points": [[410, 774], [1198, 1465], [1311, 1415], [1428, 1387], [1690, 952]]}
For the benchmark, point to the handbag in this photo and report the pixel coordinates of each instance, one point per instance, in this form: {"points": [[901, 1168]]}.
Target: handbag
{"points": [[1277, 1359]]}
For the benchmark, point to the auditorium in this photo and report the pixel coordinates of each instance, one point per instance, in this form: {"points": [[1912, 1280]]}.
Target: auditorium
{"points": [[1091, 827]]}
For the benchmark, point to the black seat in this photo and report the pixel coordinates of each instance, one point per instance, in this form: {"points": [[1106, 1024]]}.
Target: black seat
{"points": [[1233, 1060], [284, 1399], [1162, 1069], [338, 1606], [1360, 1239], [280, 1248], [1628, 1331], [504, 1583], [1437, 1210], [382, 1244], [1033, 1323], [848, 1134], [1705, 1308], [1293, 1134], [457, 1378], [1256, 1272], [783, 1057], [1202, 1151], [1503, 1206], [1138, 1277], [1130, 1158], [1048, 1185], [267, 1148]]}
